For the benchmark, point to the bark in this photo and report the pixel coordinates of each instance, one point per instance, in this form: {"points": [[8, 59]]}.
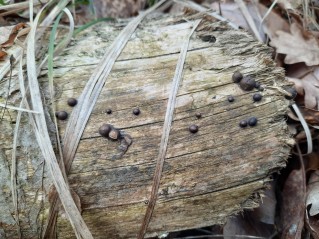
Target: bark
{"points": [[207, 176]]}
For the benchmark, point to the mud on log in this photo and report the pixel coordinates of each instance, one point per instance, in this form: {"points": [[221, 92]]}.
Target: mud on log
{"points": [[207, 176]]}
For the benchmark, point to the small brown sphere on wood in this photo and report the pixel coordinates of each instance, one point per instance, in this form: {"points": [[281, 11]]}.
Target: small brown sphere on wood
{"points": [[105, 129], [136, 111], [108, 111], [230, 98], [114, 134], [193, 128], [237, 76], [257, 97], [61, 115], [252, 121], [72, 102], [247, 83], [243, 123], [198, 115]]}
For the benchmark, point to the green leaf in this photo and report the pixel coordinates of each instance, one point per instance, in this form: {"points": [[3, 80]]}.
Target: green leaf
{"points": [[151, 2]]}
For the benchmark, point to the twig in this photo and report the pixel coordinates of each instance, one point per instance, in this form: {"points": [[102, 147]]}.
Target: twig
{"points": [[8, 93], [18, 6], [200, 8], [18, 108]]}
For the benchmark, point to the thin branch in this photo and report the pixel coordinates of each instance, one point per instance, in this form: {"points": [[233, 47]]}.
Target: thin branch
{"points": [[200, 8]]}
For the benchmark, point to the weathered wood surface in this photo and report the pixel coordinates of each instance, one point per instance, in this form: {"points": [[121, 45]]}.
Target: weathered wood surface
{"points": [[207, 176]]}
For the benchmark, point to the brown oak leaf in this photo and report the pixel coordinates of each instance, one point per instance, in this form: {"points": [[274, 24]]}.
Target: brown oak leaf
{"points": [[308, 85], [290, 4], [273, 22], [270, 25], [293, 205], [298, 45], [13, 35], [313, 193], [3, 54]]}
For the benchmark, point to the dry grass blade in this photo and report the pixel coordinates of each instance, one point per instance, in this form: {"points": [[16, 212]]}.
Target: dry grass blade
{"points": [[12, 59], [50, 227], [31, 5], [249, 19], [20, 5], [165, 134], [305, 127], [268, 12], [6, 13], [200, 8], [18, 108], [15, 138], [41, 133]]}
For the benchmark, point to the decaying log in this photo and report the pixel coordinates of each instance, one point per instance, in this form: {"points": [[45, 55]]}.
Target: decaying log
{"points": [[207, 176]]}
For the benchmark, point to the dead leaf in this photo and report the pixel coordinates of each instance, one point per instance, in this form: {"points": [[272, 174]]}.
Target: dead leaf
{"points": [[293, 205], [313, 194], [309, 87], [246, 225], [267, 209], [298, 70], [290, 4], [5, 33], [3, 54], [298, 45], [305, 79], [311, 116], [313, 226], [273, 22], [232, 12], [312, 162], [13, 35], [257, 222]]}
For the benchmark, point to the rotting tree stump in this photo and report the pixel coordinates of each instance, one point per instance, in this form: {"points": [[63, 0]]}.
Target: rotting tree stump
{"points": [[207, 176]]}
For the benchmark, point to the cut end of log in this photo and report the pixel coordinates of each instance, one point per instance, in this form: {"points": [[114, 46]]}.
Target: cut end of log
{"points": [[208, 175]]}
